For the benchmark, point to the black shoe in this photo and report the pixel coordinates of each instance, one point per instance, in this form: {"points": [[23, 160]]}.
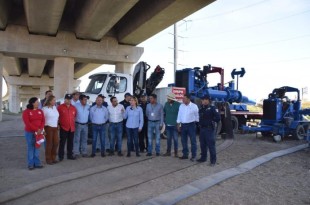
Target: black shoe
{"points": [[128, 155], [148, 154], [184, 157], [201, 160], [212, 164], [71, 158], [92, 155], [157, 154], [120, 154], [38, 167], [193, 159], [102, 154], [30, 167], [138, 155]]}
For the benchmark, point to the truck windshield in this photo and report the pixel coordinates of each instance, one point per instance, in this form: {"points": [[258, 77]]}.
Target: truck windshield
{"points": [[96, 83]]}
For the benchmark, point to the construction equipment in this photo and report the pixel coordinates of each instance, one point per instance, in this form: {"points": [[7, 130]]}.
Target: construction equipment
{"points": [[231, 102], [283, 116]]}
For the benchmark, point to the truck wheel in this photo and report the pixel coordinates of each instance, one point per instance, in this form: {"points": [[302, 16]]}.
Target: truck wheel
{"points": [[299, 133], [235, 123], [266, 134]]}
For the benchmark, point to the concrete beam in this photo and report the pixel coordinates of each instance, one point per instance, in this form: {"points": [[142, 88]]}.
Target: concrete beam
{"points": [[43, 17], [4, 12], [99, 16], [25, 80], [84, 68], [16, 41], [36, 67], [149, 17], [12, 65]]}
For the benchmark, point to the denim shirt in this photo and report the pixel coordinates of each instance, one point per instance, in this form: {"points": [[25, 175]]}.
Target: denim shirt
{"points": [[134, 117], [155, 112], [99, 115], [82, 113]]}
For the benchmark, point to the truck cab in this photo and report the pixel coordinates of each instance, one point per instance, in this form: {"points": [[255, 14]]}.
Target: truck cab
{"points": [[108, 84]]}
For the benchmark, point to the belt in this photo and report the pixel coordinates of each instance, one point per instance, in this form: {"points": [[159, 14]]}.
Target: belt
{"points": [[116, 122], [154, 120], [99, 124], [187, 123], [81, 123]]}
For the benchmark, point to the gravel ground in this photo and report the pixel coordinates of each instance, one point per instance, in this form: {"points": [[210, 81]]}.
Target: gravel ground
{"points": [[138, 182]]}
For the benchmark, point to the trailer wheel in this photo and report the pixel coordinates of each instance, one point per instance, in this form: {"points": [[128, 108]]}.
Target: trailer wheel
{"points": [[300, 132], [266, 134], [235, 123]]}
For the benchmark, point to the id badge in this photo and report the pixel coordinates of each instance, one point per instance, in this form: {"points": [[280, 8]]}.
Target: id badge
{"points": [[152, 114]]}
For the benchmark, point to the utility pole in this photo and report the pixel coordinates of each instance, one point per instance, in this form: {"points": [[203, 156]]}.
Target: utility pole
{"points": [[175, 50]]}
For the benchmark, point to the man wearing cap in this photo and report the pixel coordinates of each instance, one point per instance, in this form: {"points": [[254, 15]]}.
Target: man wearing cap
{"points": [[155, 116], [171, 110], [67, 115], [143, 140], [116, 111], [187, 118], [208, 117], [81, 127], [75, 97], [99, 116]]}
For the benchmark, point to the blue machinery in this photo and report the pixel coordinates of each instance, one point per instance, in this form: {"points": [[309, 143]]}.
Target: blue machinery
{"points": [[282, 116]]}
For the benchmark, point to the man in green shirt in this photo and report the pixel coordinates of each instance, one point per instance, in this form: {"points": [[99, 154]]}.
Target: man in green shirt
{"points": [[171, 110]]}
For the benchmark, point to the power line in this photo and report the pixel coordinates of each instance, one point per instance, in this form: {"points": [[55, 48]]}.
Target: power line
{"points": [[231, 11], [266, 43], [251, 26]]}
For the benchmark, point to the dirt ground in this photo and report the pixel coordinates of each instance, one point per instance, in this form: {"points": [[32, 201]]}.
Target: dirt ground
{"points": [[285, 180]]}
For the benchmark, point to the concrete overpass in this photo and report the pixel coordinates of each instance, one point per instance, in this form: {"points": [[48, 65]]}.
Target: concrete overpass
{"points": [[49, 44]]}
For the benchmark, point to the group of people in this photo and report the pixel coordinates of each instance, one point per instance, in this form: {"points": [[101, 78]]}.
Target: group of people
{"points": [[140, 120]]}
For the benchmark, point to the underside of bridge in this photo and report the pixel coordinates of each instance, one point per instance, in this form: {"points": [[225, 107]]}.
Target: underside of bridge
{"points": [[41, 38]]}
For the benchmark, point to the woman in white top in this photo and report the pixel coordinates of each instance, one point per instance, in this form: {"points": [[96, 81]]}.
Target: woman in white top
{"points": [[51, 128]]}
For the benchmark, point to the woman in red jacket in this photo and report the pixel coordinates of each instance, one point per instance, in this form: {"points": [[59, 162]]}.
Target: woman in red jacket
{"points": [[34, 123]]}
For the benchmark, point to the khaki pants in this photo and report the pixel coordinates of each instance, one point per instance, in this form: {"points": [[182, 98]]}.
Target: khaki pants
{"points": [[52, 142]]}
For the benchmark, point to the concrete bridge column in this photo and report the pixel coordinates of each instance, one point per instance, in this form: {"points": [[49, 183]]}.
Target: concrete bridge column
{"points": [[123, 68], [43, 89], [1, 82], [24, 103], [63, 76], [14, 99]]}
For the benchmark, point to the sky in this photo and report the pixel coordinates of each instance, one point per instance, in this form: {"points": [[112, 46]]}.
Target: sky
{"points": [[269, 38]]}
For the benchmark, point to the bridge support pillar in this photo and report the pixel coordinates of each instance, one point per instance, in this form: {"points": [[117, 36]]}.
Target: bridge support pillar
{"points": [[123, 68], [14, 99], [1, 84], [63, 76]]}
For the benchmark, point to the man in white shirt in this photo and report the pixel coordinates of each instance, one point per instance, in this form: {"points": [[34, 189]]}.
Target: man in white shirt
{"points": [[116, 111], [187, 118]]}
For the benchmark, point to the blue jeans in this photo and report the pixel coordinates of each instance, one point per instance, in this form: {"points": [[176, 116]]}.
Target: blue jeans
{"points": [[207, 141], [80, 139], [172, 133], [116, 133], [107, 136], [189, 129], [132, 133], [151, 128], [32, 152], [101, 131]]}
